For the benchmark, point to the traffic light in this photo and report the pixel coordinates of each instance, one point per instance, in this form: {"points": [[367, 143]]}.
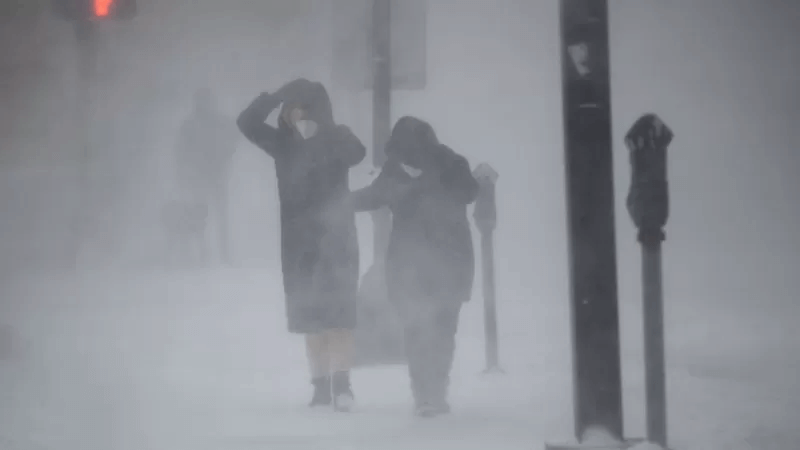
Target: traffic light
{"points": [[74, 10]]}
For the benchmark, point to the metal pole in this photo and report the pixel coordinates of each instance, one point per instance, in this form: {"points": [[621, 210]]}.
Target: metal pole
{"points": [[381, 111], [590, 217], [379, 338], [489, 302], [655, 378], [87, 60], [485, 215]]}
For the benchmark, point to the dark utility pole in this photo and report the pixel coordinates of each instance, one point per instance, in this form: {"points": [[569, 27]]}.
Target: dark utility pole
{"points": [[590, 216]]}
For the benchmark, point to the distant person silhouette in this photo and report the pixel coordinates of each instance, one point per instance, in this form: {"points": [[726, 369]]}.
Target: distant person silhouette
{"points": [[206, 145]]}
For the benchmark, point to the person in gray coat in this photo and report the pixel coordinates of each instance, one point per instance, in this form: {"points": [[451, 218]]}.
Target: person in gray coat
{"points": [[319, 245], [430, 261]]}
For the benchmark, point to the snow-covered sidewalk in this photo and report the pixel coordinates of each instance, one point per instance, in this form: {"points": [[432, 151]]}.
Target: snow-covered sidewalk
{"points": [[202, 361]]}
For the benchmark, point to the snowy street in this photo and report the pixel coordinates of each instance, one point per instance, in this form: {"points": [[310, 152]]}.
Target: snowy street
{"points": [[202, 361], [560, 138]]}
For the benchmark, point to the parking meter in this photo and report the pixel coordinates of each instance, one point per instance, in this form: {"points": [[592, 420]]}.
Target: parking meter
{"points": [[648, 206], [485, 215], [648, 196]]}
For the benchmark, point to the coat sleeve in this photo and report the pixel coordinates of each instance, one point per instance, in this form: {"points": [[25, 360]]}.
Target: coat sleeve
{"points": [[381, 192], [347, 147], [251, 123], [456, 177]]}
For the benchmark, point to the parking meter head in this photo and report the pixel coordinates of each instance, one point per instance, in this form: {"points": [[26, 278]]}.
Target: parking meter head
{"points": [[648, 196], [484, 173], [647, 141], [485, 212]]}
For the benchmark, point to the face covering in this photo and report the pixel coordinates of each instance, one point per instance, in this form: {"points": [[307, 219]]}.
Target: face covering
{"points": [[412, 172], [306, 128]]}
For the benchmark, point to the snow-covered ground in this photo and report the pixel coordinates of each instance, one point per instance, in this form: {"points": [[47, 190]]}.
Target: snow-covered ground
{"points": [[202, 361]]}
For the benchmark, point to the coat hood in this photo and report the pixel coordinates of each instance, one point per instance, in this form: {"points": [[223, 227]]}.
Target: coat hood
{"points": [[314, 99], [411, 141]]}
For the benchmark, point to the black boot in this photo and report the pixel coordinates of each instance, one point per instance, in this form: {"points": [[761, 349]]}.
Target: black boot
{"points": [[322, 392], [441, 406], [342, 392], [437, 397], [432, 402]]}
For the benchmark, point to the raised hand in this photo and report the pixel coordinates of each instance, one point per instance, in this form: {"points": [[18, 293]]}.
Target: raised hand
{"points": [[293, 90]]}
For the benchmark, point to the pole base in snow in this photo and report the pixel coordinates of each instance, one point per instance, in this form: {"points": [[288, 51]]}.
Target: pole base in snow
{"points": [[379, 334], [625, 445], [493, 370]]}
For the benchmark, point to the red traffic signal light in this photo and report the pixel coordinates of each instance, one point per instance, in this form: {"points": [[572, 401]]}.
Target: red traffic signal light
{"points": [[102, 7], [94, 9]]}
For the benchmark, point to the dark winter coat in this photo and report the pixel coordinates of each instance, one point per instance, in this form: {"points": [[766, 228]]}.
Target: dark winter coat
{"points": [[318, 234], [430, 255]]}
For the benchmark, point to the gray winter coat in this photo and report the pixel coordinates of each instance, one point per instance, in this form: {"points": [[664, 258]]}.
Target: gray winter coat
{"points": [[430, 257]]}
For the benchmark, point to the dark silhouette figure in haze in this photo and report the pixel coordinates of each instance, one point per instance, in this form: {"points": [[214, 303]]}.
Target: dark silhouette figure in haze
{"points": [[313, 156], [185, 223], [430, 259], [206, 145]]}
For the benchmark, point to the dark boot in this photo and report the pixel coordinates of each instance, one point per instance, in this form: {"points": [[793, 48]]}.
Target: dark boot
{"points": [[432, 402], [322, 392], [441, 406], [426, 410], [343, 397]]}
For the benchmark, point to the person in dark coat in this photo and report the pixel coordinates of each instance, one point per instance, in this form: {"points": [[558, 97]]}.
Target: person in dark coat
{"points": [[319, 245], [430, 261]]}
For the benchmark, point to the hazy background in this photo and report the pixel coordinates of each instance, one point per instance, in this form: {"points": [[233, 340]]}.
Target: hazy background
{"points": [[721, 73]]}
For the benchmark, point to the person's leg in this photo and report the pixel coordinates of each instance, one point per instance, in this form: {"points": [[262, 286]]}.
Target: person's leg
{"points": [[341, 345], [319, 365], [416, 358], [444, 327], [416, 315], [223, 221], [197, 230], [341, 348]]}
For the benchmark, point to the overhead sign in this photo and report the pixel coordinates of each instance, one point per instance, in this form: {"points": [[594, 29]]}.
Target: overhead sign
{"points": [[353, 58]]}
